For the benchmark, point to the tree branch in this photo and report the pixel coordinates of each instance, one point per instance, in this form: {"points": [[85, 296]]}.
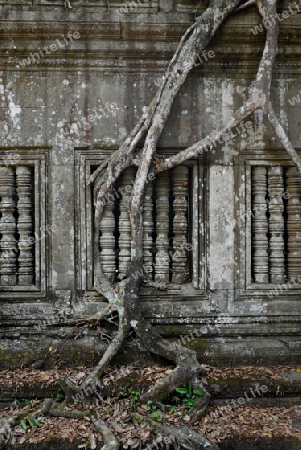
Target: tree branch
{"points": [[245, 5], [282, 136], [257, 100]]}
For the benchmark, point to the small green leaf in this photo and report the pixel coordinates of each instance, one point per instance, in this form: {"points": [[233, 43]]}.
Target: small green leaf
{"points": [[32, 422], [182, 390], [157, 416], [198, 392], [23, 424]]}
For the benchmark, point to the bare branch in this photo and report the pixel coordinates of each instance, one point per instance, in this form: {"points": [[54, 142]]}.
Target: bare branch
{"points": [[194, 41], [198, 37], [245, 5], [258, 99], [280, 132], [208, 142]]}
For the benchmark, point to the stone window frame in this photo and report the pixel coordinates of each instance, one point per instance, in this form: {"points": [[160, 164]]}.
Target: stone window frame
{"points": [[244, 288], [84, 159], [37, 158]]}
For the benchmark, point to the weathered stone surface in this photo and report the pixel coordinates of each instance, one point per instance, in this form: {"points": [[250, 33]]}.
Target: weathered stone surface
{"points": [[62, 111]]}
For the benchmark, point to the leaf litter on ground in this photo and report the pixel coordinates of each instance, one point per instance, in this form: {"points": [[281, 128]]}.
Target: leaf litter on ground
{"points": [[219, 423]]}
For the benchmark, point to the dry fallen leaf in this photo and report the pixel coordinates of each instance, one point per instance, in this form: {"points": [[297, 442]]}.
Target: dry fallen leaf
{"points": [[44, 377]]}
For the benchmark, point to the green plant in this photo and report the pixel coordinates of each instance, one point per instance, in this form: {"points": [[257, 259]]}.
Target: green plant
{"points": [[157, 416], [15, 402], [30, 421], [173, 409], [151, 406], [135, 395], [59, 395], [189, 395], [28, 402], [130, 392], [122, 393]]}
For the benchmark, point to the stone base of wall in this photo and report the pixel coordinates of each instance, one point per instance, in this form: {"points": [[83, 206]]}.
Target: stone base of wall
{"points": [[221, 351]]}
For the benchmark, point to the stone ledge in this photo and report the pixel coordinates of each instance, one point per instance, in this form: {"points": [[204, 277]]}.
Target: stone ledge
{"points": [[283, 392]]}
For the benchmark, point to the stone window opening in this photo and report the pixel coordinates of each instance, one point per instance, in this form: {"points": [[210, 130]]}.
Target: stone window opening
{"points": [[167, 217], [17, 226], [275, 221]]}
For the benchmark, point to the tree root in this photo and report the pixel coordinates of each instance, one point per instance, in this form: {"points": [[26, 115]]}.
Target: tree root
{"points": [[110, 440], [188, 368], [178, 437], [7, 425], [124, 298]]}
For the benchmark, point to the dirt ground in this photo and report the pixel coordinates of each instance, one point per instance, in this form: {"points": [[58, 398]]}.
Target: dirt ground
{"points": [[23, 390]]}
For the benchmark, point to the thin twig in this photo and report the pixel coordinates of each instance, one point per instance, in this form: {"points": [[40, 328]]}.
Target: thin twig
{"points": [[245, 5]]}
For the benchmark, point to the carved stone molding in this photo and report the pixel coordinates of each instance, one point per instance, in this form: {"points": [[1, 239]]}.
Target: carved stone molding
{"points": [[180, 224], [293, 223], [148, 229], [107, 240], [24, 233], [162, 229], [25, 225], [260, 243], [8, 227], [276, 224], [124, 241], [31, 33]]}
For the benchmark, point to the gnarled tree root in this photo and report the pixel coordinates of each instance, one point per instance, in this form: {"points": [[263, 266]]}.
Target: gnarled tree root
{"points": [[7, 425], [110, 440], [178, 437]]}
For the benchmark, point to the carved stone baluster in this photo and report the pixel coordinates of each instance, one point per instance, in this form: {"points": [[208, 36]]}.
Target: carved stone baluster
{"points": [[293, 223], [260, 261], [276, 224], [124, 223], [107, 240], [162, 228], [148, 228], [8, 227], [180, 207], [25, 225]]}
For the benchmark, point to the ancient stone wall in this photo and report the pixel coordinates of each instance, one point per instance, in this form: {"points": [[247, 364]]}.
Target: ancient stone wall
{"points": [[223, 229]]}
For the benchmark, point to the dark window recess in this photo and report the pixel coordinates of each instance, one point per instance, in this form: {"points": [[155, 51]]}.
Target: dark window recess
{"points": [[17, 228], [275, 219], [167, 228]]}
